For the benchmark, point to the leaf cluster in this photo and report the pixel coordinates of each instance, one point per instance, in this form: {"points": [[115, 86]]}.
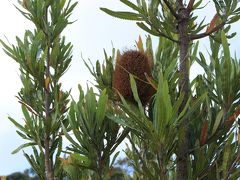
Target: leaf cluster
{"points": [[96, 136], [43, 57]]}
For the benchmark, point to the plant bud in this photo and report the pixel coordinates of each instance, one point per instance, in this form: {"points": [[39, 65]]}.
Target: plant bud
{"points": [[137, 64]]}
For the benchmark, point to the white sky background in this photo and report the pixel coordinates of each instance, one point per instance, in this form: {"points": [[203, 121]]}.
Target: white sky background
{"points": [[93, 31]]}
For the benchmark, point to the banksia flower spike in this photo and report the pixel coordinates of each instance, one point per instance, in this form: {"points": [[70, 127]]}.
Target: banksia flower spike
{"points": [[136, 63]]}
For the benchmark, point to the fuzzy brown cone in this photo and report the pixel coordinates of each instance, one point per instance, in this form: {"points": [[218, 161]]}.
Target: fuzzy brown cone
{"points": [[136, 63]]}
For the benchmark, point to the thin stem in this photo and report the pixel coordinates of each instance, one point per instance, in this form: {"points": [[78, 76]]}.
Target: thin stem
{"points": [[100, 166], [205, 34], [190, 5], [161, 164], [48, 162]]}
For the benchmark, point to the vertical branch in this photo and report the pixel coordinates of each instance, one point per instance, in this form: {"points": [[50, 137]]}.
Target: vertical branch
{"points": [[39, 97], [48, 161], [183, 146], [100, 167]]}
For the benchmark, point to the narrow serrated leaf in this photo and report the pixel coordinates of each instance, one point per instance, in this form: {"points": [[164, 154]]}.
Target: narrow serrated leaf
{"points": [[123, 15], [23, 146]]}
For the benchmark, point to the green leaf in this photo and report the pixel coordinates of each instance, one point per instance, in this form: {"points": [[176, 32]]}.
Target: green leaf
{"points": [[163, 108], [26, 114], [101, 108], [227, 154], [81, 160], [62, 3], [235, 175], [23, 146], [23, 135], [124, 121], [133, 6], [234, 19], [72, 171], [69, 137], [90, 109], [170, 68], [135, 94], [34, 164], [217, 121], [114, 158], [19, 126], [123, 15], [9, 51], [225, 46], [195, 50], [197, 4], [147, 29], [191, 109], [54, 146]]}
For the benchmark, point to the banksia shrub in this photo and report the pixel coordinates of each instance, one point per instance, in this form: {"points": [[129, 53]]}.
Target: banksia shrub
{"points": [[136, 63]]}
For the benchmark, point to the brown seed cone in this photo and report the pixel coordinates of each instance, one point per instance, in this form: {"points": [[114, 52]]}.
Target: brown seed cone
{"points": [[136, 63]]}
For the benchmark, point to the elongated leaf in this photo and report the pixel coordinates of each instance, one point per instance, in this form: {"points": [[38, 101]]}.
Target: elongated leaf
{"points": [[133, 6], [114, 158], [35, 165], [90, 108], [123, 122], [69, 137], [7, 48], [135, 94], [151, 81], [217, 121], [170, 69], [163, 108], [23, 146], [101, 108], [139, 44], [227, 155], [123, 15], [19, 126], [235, 175], [193, 107], [147, 29], [72, 171], [26, 114], [23, 135], [225, 46]]}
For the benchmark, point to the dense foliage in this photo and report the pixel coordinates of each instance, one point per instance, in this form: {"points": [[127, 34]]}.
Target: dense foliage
{"points": [[176, 127]]}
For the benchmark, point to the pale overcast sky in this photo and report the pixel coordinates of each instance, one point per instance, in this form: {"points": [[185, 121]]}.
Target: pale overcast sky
{"points": [[93, 31]]}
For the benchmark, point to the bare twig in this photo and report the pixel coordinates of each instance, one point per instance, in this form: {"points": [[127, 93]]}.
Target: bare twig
{"points": [[205, 34], [190, 5]]}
